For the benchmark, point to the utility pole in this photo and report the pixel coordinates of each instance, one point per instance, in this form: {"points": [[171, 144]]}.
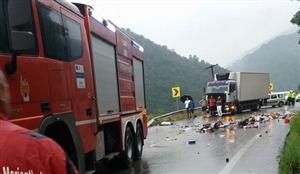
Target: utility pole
{"points": [[211, 67]]}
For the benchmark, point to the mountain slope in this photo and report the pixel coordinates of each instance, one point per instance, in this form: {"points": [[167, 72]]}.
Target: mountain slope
{"points": [[280, 57], [165, 69]]}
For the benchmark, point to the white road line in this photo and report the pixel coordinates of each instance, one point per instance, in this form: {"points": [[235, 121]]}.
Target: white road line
{"points": [[227, 169]]}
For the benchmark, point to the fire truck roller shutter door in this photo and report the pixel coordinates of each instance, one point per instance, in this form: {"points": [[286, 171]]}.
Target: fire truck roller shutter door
{"points": [[105, 77]]}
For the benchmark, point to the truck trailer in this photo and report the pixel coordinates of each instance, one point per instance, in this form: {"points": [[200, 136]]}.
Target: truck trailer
{"points": [[239, 90], [74, 78]]}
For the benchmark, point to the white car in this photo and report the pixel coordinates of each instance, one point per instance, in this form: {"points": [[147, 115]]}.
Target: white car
{"points": [[276, 99], [298, 98]]}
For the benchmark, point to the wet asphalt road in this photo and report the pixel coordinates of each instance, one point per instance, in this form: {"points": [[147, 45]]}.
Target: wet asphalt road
{"points": [[166, 149]]}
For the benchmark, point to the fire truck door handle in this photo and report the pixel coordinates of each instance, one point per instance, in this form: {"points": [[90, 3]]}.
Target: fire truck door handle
{"points": [[89, 112]]}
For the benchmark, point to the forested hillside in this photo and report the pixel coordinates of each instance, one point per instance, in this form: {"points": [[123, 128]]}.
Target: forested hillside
{"points": [[165, 69], [280, 57]]}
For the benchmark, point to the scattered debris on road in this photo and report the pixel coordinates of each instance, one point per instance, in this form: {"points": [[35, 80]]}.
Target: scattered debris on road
{"points": [[166, 123], [254, 121], [170, 139], [192, 142]]}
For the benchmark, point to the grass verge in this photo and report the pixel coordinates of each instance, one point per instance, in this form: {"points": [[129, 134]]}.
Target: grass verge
{"points": [[290, 155]]}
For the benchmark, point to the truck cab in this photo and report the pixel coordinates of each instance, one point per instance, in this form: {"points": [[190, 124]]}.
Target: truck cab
{"points": [[226, 89]]}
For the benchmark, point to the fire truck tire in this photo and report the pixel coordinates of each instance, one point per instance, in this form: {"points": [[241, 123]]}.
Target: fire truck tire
{"points": [[139, 142], [128, 154], [256, 107]]}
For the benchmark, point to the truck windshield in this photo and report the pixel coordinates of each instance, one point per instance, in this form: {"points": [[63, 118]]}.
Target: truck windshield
{"points": [[216, 89], [3, 31]]}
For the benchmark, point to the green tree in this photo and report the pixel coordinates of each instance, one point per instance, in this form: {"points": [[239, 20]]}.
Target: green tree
{"points": [[296, 19]]}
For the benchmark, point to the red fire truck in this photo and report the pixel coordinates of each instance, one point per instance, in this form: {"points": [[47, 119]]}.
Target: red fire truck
{"points": [[75, 79]]}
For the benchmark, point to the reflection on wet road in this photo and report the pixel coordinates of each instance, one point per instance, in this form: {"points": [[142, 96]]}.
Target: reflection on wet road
{"points": [[253, 150]]}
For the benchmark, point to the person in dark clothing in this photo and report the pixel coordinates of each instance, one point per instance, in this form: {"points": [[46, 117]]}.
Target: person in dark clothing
{"points": [[191, 108]]}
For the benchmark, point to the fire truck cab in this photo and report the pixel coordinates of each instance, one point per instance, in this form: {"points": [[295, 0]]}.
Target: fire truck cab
{"points": [[75, 79]]}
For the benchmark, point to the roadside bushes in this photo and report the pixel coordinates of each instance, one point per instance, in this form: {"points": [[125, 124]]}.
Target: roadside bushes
{"points": [[290, 155]]}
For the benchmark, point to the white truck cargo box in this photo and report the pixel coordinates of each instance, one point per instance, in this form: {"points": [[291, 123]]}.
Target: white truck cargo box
{"points": [[251, 86]]}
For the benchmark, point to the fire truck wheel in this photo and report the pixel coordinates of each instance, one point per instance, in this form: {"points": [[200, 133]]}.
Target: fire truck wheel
{"points": [[128, 155], [139, 142]]}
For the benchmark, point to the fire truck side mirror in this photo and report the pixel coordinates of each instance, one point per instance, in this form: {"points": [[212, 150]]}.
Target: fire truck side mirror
{"points": [[20, 17]]}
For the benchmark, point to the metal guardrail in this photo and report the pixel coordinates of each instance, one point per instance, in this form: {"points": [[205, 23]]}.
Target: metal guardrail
{"points": [[166, 115]]}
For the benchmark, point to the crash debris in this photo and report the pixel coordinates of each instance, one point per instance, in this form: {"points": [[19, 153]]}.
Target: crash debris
{"points": [[254, 121]]}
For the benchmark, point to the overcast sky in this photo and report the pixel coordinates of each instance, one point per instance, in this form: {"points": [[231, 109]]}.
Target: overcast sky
{"points": [[216, 31]]}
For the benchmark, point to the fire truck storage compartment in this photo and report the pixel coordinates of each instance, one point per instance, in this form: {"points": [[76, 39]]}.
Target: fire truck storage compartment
{"points": [[139, 84], [105, 77]]}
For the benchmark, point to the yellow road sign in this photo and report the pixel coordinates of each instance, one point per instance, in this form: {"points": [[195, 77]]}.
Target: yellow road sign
{"points": [[271, 87], [176, 92]]}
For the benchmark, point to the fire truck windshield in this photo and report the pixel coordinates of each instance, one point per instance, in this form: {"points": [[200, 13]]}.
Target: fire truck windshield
{"points": [[3, 30]]}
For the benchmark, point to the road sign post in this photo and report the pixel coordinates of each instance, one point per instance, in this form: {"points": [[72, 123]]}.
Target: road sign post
{"points": [[176, 95], [176, 92], [271, 87]]}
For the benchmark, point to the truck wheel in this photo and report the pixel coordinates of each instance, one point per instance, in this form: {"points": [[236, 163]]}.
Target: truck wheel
{"points": [[128, 155], [139, 139], [257, 107], [280, 104], [238, 110]]}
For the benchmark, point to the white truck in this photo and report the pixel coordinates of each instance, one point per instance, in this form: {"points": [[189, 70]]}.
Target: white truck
{"points": [[239, 90]]}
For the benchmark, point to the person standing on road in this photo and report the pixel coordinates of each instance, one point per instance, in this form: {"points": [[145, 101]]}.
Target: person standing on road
{"points": [[203, 104], [219, 106], [191, 108], [186, 104], [25, 151], [293, 98], [212, 105], [289, 99]]}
